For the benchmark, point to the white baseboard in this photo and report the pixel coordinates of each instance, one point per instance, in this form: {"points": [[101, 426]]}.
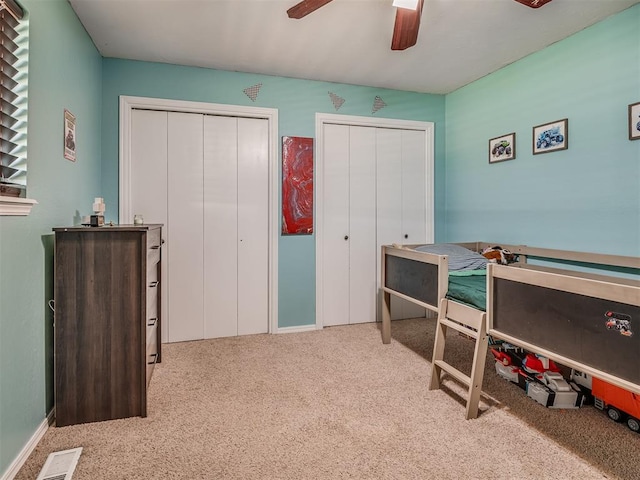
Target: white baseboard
{"points": [[17, 464], [302, 328]]}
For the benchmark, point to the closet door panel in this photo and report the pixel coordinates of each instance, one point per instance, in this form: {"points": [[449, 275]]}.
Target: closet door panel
{"points": [[149, 182], [185, 212], [389, 186], [253, 226], [362, 225], [220, 227], [414, 201], [149, 166], [414, 226], [335, 238], [389, 199]]}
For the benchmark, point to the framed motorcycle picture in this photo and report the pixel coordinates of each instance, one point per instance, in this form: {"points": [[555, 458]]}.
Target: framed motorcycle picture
{"points": [[551, 137]]}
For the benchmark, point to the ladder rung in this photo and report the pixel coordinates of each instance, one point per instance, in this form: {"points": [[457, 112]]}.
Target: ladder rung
{"points": [[459, 327], [454, 372]]}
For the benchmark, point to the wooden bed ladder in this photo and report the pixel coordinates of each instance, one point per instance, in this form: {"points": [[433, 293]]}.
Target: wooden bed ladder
{"points": [[471, 322]]}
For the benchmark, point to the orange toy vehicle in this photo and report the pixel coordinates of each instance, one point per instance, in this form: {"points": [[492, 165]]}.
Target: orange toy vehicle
{"points": [[620, 404]]}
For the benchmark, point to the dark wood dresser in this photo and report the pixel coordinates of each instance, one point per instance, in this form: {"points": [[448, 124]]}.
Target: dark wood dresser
{"points": [[107, 320]]}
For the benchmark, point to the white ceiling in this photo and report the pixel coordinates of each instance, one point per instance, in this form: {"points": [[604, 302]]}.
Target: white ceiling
{"points": [[346, 41]]}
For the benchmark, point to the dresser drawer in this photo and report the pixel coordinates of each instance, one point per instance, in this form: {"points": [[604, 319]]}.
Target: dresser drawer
{"points": [[153, 257], [153, 239], [152, 349], [152, 274], [152, 321], [153, 291], [154, 243], [152, 310]]}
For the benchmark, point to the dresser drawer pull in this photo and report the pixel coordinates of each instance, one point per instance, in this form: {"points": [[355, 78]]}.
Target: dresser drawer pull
{"points": [[154, 283], [152, 322], [155, 247], [154, 356]]}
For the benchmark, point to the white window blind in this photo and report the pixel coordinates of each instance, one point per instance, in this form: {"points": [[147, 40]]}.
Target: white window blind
{"points": [[13, 99]]}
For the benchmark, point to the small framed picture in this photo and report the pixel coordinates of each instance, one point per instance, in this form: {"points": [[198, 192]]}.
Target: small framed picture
{"points": [[69, 136], [551, 137], [502, 148], [634, 121]]}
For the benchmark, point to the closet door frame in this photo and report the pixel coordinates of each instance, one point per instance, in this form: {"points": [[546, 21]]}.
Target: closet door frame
{"points": [[323, 119], [125, 214]]}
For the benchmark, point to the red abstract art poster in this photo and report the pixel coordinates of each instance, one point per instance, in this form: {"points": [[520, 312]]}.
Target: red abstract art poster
{"points": [[297, 186]]}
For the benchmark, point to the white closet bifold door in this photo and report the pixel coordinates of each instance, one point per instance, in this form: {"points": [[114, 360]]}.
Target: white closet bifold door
{"points": [[401, 163], [149, 183], [236, 236], [185, 213], [335, 243], [414, 200], [389, 198], [220, 226], [362, 225], [253, 226], [389, 185], [414, 193], [373, 192], [149, 166]]}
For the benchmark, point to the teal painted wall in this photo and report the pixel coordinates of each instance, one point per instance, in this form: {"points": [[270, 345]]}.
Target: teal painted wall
{"points": [[297, 102], [64, 72], [584, 198]]}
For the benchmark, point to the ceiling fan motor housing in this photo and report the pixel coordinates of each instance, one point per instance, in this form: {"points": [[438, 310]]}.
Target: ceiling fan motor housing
{"points": [[533, 3]]}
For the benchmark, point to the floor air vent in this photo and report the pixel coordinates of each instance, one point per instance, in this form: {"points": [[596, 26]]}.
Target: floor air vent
{"points": [[60, 465]]}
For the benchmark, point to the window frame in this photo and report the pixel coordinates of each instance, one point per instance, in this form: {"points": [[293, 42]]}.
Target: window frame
{"points": [[17, 143]]}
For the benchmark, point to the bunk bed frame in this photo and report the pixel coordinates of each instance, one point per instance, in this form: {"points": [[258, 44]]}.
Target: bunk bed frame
{"points": [[556, 312]]}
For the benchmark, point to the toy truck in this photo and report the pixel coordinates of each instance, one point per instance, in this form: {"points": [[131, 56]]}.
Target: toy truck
{"points": [[538, 376], [620, 404], [553, 391]]}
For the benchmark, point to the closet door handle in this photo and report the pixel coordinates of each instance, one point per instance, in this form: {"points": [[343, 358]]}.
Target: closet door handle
{"points": [[155, 247], [406, 235], [346, 237], [152, 322], [154, 284]]}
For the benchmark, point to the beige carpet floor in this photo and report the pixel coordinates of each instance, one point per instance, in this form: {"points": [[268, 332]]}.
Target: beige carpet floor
{"points": [[335, 404]]}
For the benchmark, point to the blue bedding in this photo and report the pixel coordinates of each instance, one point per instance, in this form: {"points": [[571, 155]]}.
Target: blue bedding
{"points": [[467, 273], [460, 258]]}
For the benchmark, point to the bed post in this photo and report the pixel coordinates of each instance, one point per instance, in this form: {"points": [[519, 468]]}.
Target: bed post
{"points": [[386, 300], [386, 317]]}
